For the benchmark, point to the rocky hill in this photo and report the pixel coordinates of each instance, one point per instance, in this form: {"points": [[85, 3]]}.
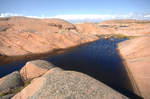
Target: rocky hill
{"points": [[22, 38], [126, 27], [51, 82]]}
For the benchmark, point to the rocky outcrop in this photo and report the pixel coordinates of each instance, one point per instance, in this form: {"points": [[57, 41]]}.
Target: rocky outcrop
{"points": [[136, 55], [59, 84], [92, 29], [88, 28], [35, 68], [125, 27], [22, 37], [10, 82], [121, 27], [28, 38]]}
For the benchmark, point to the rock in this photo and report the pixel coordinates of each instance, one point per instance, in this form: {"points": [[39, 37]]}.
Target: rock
{"points": [[10, 81], [125, 27], [29, 38], [67, 85], [35, 68], [7, 96], [88, 28], [121, 27], [136, 56]]}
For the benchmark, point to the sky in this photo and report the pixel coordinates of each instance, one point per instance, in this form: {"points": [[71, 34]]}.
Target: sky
{"points": [[77, 10]]}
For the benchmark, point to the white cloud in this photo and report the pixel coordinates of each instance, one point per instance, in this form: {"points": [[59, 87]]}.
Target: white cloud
{"points": [[9, 14], [147, 16], [97, 18], [87, 18]]}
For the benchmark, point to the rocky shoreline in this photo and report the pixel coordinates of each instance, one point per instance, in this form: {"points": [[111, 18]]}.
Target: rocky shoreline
{"points": [[26, 38], [39, 71], [135, 54]]}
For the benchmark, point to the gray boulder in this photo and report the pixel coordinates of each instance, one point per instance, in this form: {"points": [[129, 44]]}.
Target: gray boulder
{"points": [[67, 85], [10, 81]]}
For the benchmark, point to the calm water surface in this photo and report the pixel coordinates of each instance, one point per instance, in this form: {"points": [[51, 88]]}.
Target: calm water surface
{"points": [[98, 59]]}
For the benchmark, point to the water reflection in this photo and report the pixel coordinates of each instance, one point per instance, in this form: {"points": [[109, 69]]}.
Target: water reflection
{"points": [[98, 59]]}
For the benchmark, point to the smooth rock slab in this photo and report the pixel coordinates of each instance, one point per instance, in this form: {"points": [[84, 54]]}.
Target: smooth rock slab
{"points": [[10, 81], [67, 85], [35, 68], [136, 55]]}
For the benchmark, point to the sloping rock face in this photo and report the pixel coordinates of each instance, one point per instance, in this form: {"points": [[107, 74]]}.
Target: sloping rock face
{"points": [[93, 29], [22, 37], [88, 28], [10, 81], [136, 55], [125, 27], [57, 84], [35, 68]]}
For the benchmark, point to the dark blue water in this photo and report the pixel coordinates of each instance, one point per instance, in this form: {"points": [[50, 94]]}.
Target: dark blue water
{"points": [[98, 59]]}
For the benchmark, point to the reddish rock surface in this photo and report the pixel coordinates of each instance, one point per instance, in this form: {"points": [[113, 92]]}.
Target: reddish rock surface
{"points": [[136, 55], [22, 37], [35, 68], [126, 27], [88, 28], [67, 84], [92, 28]]}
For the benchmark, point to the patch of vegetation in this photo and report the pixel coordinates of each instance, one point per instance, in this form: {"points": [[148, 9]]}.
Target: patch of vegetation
{"points": [[123, 26], [4, 93], [105, 26], [16, 90], [29, 31], [143, 22], [120, 36], [61, 31], [123, 36], [3, 29], [4, 19], [55, 25], [117, 36]]}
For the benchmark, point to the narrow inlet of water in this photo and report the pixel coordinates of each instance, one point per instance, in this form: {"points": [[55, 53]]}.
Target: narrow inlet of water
{"points": [[98, 59]]}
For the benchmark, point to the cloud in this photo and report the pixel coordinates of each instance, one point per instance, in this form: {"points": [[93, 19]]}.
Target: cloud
{"points": [[97, 18], [87, 18], [147, 16], [9, 14]]}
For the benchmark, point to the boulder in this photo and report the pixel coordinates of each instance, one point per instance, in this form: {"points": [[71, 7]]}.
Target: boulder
{"points": [[136, 56], [67, 85], [10, 81], [35, 68], [7, 96]]}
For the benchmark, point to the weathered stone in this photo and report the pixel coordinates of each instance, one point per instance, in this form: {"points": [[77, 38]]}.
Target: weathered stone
{"points": [[67, 85], [10, 81], [136, 55], [7, 96], [35, 68]]}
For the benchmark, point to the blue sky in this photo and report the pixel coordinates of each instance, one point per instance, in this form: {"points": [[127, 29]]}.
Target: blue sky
{"points": [[62, 8]]}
